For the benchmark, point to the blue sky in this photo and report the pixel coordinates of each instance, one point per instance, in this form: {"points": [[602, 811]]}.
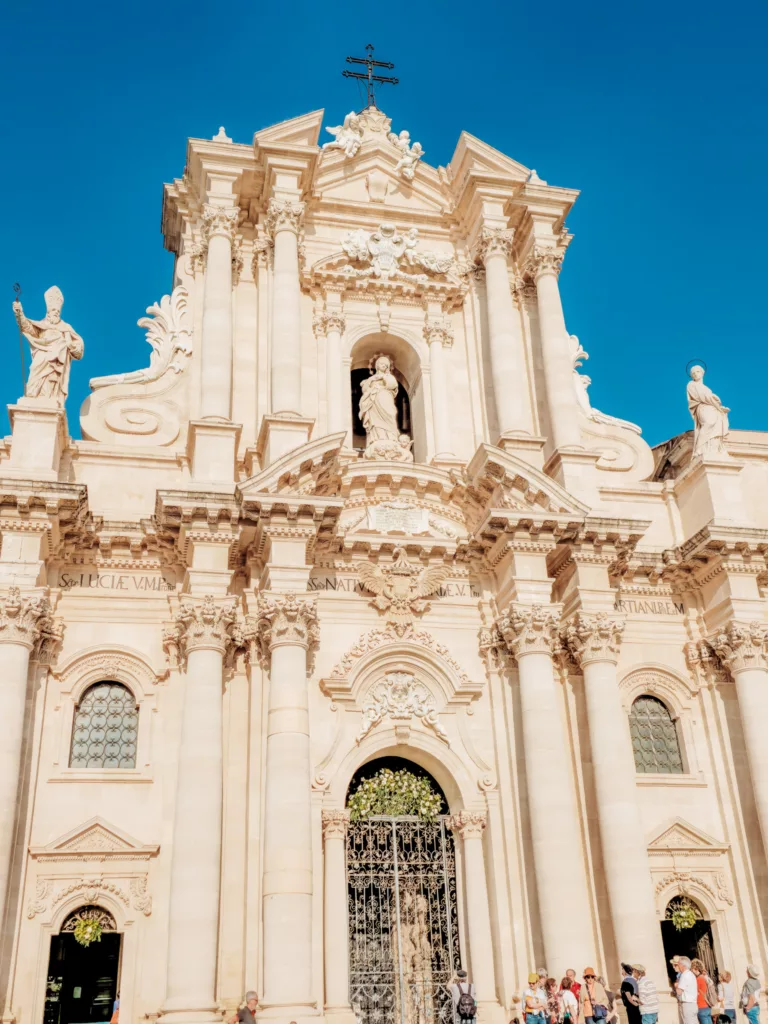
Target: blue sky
{"points": [[656, 111]]}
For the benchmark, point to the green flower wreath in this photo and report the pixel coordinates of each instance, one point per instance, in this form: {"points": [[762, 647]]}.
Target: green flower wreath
{"points": [[87, 930], [395, 794], [683, 917]]}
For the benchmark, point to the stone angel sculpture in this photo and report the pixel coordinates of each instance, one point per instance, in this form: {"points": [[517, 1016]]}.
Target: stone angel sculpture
{"points": [[410, 154], [348, 136], [710, 418], [54, 344], [401, 589]]}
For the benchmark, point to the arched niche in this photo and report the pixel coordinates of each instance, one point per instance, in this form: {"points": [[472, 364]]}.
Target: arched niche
{"points": [[395, 764]]}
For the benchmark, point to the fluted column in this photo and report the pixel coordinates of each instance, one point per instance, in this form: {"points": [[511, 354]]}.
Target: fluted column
{"points": [[288, 628], [335, 930], [508, 370], [594, 641], [219, 224], [470, 826], [543, 265], [741, 647], [332, 323], [202, 632], [284, 221], [531, 635], [24, 621], [439, 336]]}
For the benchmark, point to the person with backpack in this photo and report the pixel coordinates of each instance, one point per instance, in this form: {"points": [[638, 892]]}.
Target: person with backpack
{"points": [[463, 998], [706, 993]]}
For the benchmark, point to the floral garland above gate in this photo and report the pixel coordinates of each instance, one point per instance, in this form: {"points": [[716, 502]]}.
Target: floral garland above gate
{"points": [[395, 794]]}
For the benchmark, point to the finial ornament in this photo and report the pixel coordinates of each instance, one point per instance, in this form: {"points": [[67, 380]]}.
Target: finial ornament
{"points": [[54, 344], [710, 418]]}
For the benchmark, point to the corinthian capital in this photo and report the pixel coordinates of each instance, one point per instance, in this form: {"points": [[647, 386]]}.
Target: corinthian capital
{"points": [[28, 621], [741, 646], [469, 824], [284, 215], [544, 260], [202, 624], [329, 321], [335, 824], [219, 220], [438, 330], [593, 638], [530, 629], [492, 242], [287, 619]]}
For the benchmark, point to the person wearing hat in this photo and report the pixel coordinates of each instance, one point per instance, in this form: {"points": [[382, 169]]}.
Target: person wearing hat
{"points": [[593, 999], [647, 996], [749, 994], [535, 1000]]}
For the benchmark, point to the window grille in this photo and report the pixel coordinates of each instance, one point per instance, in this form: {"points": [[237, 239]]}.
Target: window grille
{"points": [[105, 728], [655, 741]]}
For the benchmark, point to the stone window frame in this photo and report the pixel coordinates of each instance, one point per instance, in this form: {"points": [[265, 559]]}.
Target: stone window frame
{"points": [[680, 697], [95, 665], [675, 722]]}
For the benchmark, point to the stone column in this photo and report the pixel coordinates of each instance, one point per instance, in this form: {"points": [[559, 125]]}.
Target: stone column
{"points": [[335, 933], [741, 647], [332, 324], [439, 335], [24, 622], [508, 370], [532, 635], [288, 628], [594, 641], [544, 266], [470, 826], [219, 224], [284, 220], [202, 633]]}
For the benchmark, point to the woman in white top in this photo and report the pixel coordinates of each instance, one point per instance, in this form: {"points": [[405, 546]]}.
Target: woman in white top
{"points": [[727, 996], [569, 1002]]}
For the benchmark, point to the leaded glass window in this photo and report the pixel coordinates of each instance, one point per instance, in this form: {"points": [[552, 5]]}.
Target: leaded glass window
{"points": [[654, 737], [105, 728]]}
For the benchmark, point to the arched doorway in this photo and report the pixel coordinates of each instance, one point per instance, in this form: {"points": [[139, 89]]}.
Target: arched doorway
{"points": [[401, 882], [685, 931], [83, 969]]}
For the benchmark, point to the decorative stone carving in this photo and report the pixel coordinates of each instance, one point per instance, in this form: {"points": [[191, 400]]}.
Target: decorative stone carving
{"points": [[221, 135], [378, 413], [219, 220], [348, 137], [335, 824], [530, 629], [207, 623], [386, 250], [741, 646], [580, 384], [169, 335], [54, 344], [92, 889], [284, 215], [375, 121], [710, 418], [286, 619], [438, 330], [329, 320], [140, 898], [593, 637], [401, 588], [400, 697], [28, 621], [410, 154], [469, 824], [493, 241], [544, 260]]}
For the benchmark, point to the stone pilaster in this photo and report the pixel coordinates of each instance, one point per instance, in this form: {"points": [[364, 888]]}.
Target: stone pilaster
{"points": [[332, 323], [336, 938], [439, 336]]}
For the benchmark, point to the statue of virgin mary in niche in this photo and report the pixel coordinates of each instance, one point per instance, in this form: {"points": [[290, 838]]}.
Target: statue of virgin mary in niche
{"points": [[378, 414]]}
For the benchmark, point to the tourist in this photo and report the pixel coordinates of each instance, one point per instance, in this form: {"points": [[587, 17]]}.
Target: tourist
{"points": [[463, 998], [706, 996], [629, 994], [647, 996], [535, 1001], [575, 985], [553, 1000], [687, 993], [247, 1012], [593, 1000], [726, 996], [569, 1000], [749, 994]]}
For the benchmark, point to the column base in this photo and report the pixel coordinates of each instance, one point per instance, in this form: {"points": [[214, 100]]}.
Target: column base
{"points": [[289, 1013], [527, 447], [39, 437], [280, 434], [212, 450]]}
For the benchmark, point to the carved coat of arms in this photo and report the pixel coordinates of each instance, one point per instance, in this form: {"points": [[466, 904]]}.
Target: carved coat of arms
{"points": [[401, 588]]}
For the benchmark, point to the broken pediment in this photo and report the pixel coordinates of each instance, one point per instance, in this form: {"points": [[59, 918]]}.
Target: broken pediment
{"points": [[680, 837], [296, 131], [471, 154], [94, 840]]}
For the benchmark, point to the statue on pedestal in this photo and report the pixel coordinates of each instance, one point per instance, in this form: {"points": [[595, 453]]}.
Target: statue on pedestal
{"points": [[378, 413], [710, 418], [54, 344], [348, 137]]}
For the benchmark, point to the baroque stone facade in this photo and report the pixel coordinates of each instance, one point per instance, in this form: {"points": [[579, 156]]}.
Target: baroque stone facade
{"points": [[359, 506]]}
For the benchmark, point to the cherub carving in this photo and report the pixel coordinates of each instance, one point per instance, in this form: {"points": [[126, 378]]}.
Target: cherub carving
{"points": [[410, 154], [348, 136], [401, 588]]}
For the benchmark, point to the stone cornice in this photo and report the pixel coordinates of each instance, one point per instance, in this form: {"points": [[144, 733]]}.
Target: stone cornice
{"points": [[591, 638]]}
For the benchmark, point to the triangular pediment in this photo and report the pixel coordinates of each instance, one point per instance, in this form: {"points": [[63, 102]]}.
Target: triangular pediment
{"points": [[370, 177], [471, 154], [297, 131], [680, 836], [94, 840]]}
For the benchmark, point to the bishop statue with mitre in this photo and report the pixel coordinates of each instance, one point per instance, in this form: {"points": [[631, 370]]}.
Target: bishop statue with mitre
{"points": [[54, 344]]}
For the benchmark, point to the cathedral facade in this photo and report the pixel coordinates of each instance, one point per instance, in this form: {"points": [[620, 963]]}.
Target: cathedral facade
{"points": [[359, 513]]}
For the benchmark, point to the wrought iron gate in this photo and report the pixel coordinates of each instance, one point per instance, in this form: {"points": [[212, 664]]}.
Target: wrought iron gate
{"points": [[403, 920]]}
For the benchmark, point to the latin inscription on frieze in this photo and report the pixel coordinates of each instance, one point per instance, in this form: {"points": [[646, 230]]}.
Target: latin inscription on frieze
{"points": [[637, 607], [352, 585], [129, 583]]}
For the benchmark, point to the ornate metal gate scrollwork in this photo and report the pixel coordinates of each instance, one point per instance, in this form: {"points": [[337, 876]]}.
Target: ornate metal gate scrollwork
{"points": [[403, 920]]}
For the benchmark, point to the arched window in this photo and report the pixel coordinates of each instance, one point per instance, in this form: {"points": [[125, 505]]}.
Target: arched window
{"points": [[654, 737], [105, 728]]}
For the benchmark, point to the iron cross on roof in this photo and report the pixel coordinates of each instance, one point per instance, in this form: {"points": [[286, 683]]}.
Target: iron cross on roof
{"points": [[368, 77]]}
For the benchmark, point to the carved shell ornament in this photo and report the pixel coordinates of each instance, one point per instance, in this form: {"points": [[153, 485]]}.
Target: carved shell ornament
{"points": [[401, 588]]}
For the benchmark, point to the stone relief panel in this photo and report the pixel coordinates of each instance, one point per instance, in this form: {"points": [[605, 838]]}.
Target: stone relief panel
{"points": [[400, 697]]}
